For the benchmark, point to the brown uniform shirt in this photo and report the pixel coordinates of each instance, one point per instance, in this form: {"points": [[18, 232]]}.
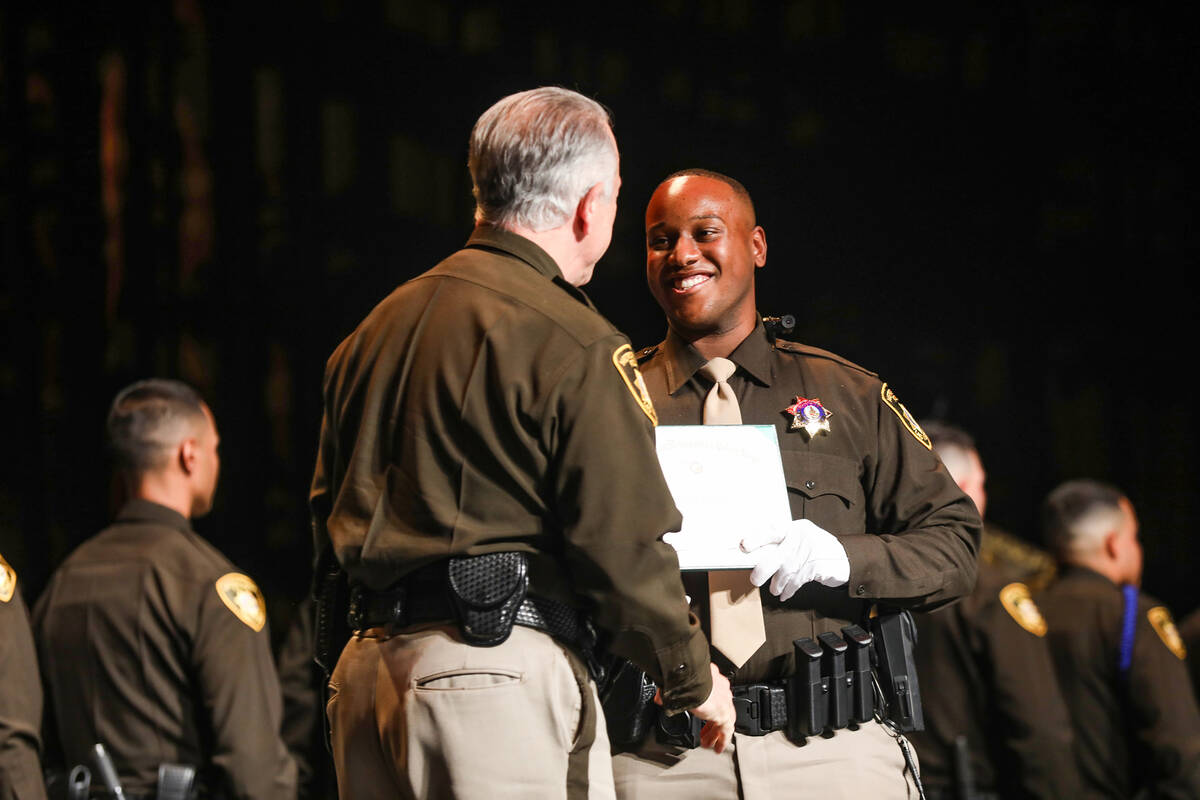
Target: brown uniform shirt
{"points": [[141, 651], [1134, 732], [486, 406], [20, 697], [986, 674], [910, 534]]}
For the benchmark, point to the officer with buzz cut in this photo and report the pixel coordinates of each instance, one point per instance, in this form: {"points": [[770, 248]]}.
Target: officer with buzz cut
{"points": [[1119, 656], [876, 521], [20, 697], [151, 642]]}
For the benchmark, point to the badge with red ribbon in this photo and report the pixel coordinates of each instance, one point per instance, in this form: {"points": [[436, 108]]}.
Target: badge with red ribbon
{"points": [[810, 416]]}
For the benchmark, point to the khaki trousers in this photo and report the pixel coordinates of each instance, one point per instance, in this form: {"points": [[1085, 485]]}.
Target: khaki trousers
{"points": [[851, 764], [421, 714]]}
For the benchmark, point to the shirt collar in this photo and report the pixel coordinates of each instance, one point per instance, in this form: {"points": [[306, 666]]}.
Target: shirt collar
{"points": [[753, 356], [139, 510], [489, 237]]}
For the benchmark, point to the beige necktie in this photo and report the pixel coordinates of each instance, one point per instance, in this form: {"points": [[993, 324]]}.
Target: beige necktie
{"points": [[735, 609]]}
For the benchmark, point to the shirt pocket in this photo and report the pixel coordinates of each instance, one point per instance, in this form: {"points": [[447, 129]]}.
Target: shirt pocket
{"points": [[826, 489]]}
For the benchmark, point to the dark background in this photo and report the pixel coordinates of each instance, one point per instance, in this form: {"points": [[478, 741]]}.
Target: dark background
{"points": [[989, 207]]}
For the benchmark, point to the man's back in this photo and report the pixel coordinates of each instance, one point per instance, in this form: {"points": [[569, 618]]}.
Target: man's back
{"points": [[1136, 725], [153, 645]]}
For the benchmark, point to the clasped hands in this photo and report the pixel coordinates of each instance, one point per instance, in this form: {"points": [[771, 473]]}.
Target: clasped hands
{"points": [[795, 553]]}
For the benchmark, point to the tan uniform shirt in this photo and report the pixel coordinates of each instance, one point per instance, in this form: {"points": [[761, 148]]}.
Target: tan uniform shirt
{"points": [[1137, 732], [486, 406], [20, 697], [147, 647], [910, 534], [986, 674]]}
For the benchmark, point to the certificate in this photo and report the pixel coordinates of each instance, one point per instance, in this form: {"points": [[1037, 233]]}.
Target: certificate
{"points": [[727, 481]]}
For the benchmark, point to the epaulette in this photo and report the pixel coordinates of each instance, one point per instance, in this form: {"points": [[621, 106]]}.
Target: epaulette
{"points": [[1035, 566], [816, 352], [647, 352]]}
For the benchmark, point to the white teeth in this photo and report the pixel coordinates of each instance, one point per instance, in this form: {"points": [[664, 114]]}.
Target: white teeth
{"points": [[692, 280]]}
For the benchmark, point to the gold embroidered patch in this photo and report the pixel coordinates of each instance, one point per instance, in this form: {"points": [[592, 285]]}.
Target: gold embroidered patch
{"points": [[626, 363], [1018, 602], [241, 596], [8, 581], [891, 401], [1164, 626]]}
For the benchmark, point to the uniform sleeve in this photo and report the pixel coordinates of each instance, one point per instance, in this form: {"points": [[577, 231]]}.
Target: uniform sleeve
{"points": [[922, 537], [1032, 723], [239, 688], [20, 705], [1166, 722], [614, 507]]}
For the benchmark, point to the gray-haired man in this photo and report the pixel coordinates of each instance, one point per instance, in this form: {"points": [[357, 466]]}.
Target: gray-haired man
{"points": [[486, 409]]}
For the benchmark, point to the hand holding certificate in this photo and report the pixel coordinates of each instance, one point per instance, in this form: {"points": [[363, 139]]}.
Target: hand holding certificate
{"points": [[727, 481]]}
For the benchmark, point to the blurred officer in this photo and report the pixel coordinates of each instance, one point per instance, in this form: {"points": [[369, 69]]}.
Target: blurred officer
{"points": [[1118, 654], [995, 722], [20, 697], [150, 641], [876, 516], [1189, 632], [487, 457]]}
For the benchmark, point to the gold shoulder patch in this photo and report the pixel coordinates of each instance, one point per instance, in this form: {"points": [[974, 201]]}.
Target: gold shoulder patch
{"points": [[626, 363], [8, 581], [891, 401], [1019, 604], [241, 596], [1164, 626]]}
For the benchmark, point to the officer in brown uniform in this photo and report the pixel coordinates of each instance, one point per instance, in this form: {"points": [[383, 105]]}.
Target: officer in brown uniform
{"points": [[485, 427], [995, 722], [1119, 657], [150, 641], [876, 516], [20, 697]]}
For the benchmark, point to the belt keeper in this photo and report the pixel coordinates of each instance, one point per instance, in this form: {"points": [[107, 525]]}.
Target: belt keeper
{"points": [[833, 665], [858, 668]]}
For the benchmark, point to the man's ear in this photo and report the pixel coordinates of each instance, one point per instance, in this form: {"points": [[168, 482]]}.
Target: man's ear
{"points": [[1112, 547], [758, 244], [187, 455], [585, 212]]}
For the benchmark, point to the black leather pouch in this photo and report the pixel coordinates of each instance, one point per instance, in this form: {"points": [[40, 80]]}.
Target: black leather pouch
{"points": [[486, 591]]}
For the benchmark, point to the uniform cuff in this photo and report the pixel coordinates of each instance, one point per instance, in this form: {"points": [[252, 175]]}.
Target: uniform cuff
{"points": [[687, 679], [863, 551]]}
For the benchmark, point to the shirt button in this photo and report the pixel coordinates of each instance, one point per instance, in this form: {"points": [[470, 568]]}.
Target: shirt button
{"points": [[682, 668], [861, 590], [810, 484]]}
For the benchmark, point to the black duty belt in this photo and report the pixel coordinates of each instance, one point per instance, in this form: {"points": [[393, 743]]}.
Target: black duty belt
{"points": [[830, 690], [426, 596]]}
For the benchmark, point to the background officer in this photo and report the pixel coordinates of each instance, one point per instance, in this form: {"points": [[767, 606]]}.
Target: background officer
{"points": [[20, 697], [150, 641], [876, 516], [1118, 655], [486, 408], [995, 722]]}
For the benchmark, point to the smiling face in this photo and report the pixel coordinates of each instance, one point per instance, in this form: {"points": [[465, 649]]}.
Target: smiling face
{"points": [[702, 248]]}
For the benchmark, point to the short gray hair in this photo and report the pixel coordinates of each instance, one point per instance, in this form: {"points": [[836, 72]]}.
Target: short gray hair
{"points": [[533, 156], [147, 419]]}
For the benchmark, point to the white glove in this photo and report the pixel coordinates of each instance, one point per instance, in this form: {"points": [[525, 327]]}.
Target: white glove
{"points": [[795, 553]]}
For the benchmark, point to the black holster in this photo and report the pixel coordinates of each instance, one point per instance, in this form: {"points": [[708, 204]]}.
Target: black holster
{"points": [[331, 591], [895, 637]]}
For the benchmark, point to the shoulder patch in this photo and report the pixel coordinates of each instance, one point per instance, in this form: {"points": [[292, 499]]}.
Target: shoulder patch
{"points": [[891, 401], [626, 363], [241, 596], [8, 581], [1164, 626], [1018, 602]]}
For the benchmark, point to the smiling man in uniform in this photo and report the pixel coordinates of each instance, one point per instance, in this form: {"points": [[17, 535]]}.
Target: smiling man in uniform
{"points": [[876, 518]]}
